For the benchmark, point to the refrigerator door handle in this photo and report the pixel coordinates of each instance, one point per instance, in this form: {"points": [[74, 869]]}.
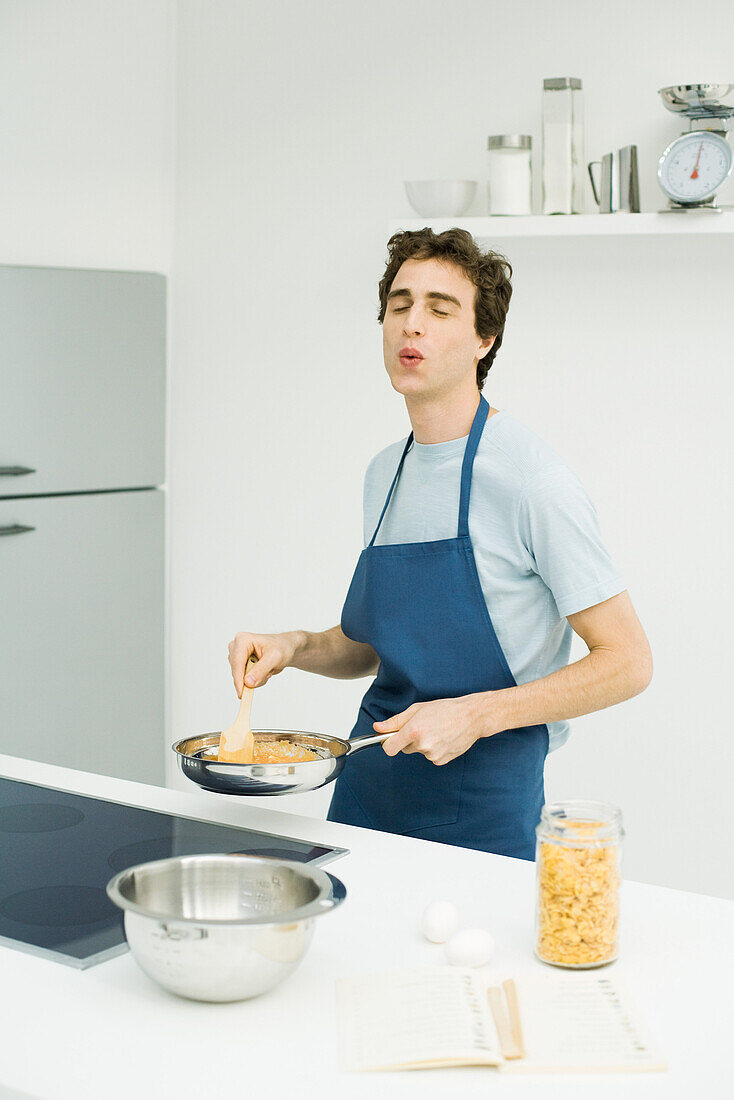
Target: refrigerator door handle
{"points": [[15, 471], [15, 529]]}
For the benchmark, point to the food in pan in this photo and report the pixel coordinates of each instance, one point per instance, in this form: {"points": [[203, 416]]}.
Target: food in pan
{"points": [[282, 752], [277, 752]]}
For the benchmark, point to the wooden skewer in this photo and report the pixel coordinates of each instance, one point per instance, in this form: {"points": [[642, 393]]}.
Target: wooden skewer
{"points": [[513, 1007], [236, 744], [504, 1032]]}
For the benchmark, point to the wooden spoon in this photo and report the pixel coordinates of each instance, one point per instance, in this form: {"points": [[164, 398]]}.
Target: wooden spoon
{"points": [[236, 744]]}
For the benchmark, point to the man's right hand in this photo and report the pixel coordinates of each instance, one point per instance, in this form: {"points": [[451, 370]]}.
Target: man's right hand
{"points": [[274, 652], [326, 652]]}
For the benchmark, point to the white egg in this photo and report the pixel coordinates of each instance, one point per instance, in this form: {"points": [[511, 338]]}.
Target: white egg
{"points": [[470, 947], [439, 921]]}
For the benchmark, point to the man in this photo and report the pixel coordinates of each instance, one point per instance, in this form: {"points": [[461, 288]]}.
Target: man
{"points": [[482, 554]]}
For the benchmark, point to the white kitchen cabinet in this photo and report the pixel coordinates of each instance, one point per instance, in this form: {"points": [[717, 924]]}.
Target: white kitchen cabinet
{"points": [[82, 380], [81, 631], [82, 527]]}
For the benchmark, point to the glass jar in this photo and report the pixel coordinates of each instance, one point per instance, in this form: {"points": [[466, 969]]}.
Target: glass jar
{"points": [[578, 860], [564, 165], [509, 179]]}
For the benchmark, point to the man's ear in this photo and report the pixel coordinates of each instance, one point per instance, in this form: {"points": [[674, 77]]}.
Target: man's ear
{"points": [[487, 345]]}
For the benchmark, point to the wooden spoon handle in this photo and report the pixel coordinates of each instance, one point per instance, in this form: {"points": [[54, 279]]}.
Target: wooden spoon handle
{"points": [[251, 660], [236, 744]]}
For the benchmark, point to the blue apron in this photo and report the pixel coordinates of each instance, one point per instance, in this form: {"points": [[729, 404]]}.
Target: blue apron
{"points": [[421, 607]]}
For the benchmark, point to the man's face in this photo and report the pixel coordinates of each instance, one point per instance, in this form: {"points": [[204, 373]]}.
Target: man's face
{"points": [[430, 308]]}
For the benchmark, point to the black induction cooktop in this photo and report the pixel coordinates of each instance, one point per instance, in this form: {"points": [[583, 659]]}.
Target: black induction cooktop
{"points": [[58, 851]]}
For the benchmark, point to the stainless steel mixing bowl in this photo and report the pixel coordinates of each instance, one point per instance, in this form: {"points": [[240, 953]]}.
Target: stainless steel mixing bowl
{"points": [[704, 98], [197, 758], [221, 927]]}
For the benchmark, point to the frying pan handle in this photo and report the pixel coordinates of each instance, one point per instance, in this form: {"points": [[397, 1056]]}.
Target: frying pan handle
{"points": [[367, 739]]}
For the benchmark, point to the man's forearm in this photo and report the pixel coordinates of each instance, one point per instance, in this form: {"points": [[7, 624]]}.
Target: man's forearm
{"points": [[331, 653], [596, 681]]}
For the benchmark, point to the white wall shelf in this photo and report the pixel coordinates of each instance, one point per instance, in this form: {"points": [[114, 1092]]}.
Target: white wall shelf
{"points": [[573, 225]]}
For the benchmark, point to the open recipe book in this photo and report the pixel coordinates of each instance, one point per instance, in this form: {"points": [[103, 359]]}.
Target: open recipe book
{"points": [[431, 1017]]}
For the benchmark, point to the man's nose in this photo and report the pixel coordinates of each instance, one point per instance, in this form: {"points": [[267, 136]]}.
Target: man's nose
{"points": [[414, 321]]}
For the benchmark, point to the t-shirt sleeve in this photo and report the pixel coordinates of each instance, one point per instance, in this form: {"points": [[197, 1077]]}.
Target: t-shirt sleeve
{"points": [[559, 527]]}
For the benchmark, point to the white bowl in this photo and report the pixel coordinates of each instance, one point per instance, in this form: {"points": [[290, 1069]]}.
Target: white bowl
{"points": [[440, 198]]}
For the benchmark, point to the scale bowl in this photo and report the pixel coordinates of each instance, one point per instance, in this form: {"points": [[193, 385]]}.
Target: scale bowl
{"points": [[706, 98]]}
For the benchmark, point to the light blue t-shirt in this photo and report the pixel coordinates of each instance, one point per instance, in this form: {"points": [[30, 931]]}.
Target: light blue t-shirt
{"points": [[534, 530]]}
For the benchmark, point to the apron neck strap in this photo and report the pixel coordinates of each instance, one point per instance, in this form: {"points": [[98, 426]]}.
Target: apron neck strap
{"points": [[480, 419], [392, 487]]}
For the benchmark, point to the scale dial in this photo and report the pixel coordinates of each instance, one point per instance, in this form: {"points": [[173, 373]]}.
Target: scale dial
{"points": [[694, 167]]}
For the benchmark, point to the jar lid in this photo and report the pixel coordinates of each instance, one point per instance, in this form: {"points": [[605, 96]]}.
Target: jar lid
{"points": [[509, 141], [557, 82], [580, 821]]}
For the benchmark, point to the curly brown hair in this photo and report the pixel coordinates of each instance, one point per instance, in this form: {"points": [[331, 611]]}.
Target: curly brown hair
{"points": [[489, 271]]}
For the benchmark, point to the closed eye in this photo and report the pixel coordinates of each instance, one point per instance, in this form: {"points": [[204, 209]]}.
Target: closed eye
{"points": [[440, 312]]}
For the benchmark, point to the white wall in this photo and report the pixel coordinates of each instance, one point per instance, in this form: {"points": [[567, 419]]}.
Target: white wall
{"points": [[632, 385], [295, 124]]}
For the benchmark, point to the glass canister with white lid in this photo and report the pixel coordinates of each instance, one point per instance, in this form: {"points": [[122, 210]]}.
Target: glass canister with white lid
{"points": [[509, 174], [578, 872], [564, 161]]}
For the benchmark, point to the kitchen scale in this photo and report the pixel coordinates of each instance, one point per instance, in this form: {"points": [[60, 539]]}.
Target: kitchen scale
{"points": [[58, 851], [698, 163]]}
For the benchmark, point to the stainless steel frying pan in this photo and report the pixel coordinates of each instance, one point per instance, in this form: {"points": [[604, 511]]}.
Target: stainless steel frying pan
{"points": [[197, 758]]}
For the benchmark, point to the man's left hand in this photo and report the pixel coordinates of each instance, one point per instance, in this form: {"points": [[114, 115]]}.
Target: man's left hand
{"points": [[441, 729]]}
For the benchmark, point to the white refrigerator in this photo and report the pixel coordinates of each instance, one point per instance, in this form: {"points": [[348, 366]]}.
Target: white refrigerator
{"points": [[82, 519]]}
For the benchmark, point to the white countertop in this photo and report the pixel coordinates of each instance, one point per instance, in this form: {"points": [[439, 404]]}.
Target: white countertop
{"points": [[110, 1032]]}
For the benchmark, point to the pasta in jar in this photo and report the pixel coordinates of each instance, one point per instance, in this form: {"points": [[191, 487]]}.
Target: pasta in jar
{"points": [[578, 877]]}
